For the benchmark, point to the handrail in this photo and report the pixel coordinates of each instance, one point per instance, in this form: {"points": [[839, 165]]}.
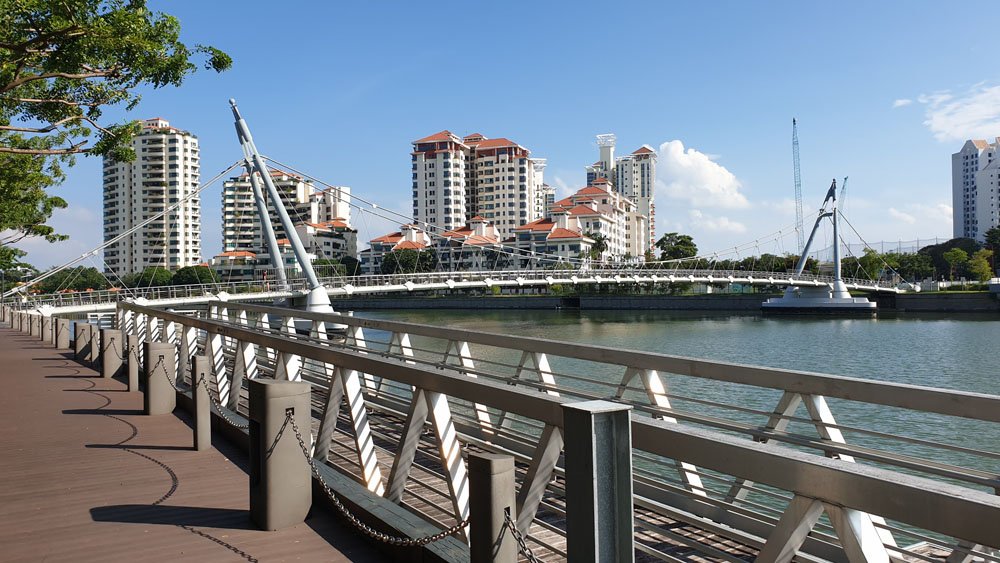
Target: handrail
{"points": [[963, 404], [940, 507]]}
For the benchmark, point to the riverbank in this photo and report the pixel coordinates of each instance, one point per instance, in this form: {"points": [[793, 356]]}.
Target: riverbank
{"points": [[917, 302]]}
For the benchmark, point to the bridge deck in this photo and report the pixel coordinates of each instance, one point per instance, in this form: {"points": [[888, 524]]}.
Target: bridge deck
{"points": [[83, 476]]}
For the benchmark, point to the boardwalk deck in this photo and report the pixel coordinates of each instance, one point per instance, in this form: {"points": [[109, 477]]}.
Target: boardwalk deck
{"points": [[84, 477]]}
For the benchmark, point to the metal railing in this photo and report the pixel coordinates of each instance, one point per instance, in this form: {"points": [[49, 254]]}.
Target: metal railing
{"points": [[709, 463], [441, 281]]}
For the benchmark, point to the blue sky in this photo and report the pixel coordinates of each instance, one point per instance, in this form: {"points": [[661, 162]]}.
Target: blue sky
{"points": [[884, 93]]}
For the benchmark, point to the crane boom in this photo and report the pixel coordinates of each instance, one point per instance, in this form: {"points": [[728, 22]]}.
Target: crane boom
{"points": [[798, 186]]}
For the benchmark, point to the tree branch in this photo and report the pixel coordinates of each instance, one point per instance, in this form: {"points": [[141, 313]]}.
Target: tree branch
{"points": [[80, 76], [46, 101], [75, 149]]}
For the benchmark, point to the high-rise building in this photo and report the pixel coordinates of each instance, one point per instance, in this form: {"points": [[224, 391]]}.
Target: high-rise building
{"points": [[456, 179], [974, 176], [633, 176], [165, 171], [321, 218]]}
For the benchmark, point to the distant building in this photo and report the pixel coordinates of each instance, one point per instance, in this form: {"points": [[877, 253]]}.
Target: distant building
{"points": [[321, 219], [474, 246], [545, 242], [409, 237], [456, 179], [633, 176], [167, 169], [974, 184], [600, 211]]}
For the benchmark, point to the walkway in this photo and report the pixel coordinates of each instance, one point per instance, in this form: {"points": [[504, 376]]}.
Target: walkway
{"points": [[85, 477]]}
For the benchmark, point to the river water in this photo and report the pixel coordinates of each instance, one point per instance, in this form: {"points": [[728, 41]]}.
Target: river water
{"points": [[949, 351]]}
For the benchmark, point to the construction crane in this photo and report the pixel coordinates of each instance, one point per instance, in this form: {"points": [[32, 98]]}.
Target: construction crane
{"points": [[798, 186]]}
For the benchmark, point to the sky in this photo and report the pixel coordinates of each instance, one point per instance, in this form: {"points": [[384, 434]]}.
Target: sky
{"points": [[884, 93]]}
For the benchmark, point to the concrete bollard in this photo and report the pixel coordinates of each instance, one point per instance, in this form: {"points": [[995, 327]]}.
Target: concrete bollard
{"points": [[46, 336], [92, 352], [159, 375], [133, 362], [62, 334], [202, 366], [280, 476], [112, 352], [34, 322], [19, 321], [491, 496], [598, 450], [79, 340]]}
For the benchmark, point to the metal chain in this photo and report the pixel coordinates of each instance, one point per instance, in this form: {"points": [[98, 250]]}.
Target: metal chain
{"points": [[522, 544], [111, 342], [159, 363], [218, 406], [368, 530]]}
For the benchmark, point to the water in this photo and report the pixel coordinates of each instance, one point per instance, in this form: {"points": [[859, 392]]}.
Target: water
{"points": [[953, 352]]}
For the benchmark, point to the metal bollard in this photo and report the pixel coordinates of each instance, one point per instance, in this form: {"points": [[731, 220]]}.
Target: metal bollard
{"points": [[202, 403], [47, 330], [598, 451], [79, 341], [491, 506], [160, 397], [62, 334], [112, 352], [133, 362], [280, 476]]}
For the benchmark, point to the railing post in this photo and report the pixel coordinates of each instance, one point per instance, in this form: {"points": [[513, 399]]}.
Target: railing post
{"points": [[93, 349], [112, 352], [202, 367], [62, 334], [133, 362], [491, 507], [598, 452], [159, 397], [47, 330], [80, 341], [280, 476]]}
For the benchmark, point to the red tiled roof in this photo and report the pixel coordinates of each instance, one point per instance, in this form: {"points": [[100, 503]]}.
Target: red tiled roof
{"points": [[477, 218], [473, 137], [391, 237], [478, 240], [495, 143], [236, 253], [601, 181], [284, 242], [564, 233], [409, 245], [582, 210], [592, 190], [644, 149], [537, 225], [440, 136], [566, 201]]}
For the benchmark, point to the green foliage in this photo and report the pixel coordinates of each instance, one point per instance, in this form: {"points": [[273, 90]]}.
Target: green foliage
{"points": [[327, 268], [979, 265], [936, 254], [912, 267], [194, 275], [409, 261], [956, 258], [674, 246], [352, 266], [599, 247], [150, 277], [61, 65], [76, 279]]}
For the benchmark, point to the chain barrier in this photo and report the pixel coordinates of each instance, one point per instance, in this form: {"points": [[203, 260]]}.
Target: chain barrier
{"points": [[522, 544], [218, 406], [111, 345], [368, 530], [159, 363]]}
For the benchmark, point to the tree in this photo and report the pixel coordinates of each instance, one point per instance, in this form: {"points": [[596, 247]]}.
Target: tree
{"points": [[153, 276], [992, 242], [674, 246], [914, 267], [327, 268], [61, 65], [956, 258], [194, 275], [599, 247], [936, 253], [409, 261], [76, 279], [352, 266], [979, 265]]}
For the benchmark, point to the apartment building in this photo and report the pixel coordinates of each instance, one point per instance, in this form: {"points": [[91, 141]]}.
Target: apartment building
{"points": [[409, 237], [456, 179], [632, 175], [973, 188], [321, 219], [600, 211], [166, 171], [545, 242]]}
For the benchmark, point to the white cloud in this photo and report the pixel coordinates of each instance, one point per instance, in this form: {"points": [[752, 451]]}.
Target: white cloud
{"points": [[784, 206], [693, 176], [900, 216], [715, 224], [83, 226], [957, 117], [563, 189], [901, 103]]}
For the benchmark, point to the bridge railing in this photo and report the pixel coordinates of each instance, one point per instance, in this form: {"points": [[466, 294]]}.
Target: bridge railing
{"points": [[728, 455], [445, 279]]}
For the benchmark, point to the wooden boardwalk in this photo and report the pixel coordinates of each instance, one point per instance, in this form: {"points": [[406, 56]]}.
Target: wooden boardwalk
{"points": [[85, 477]]}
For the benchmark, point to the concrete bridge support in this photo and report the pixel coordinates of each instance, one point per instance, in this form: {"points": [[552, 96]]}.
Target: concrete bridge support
{"points": [[160, 376], [62, 334], [112, 352]]}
